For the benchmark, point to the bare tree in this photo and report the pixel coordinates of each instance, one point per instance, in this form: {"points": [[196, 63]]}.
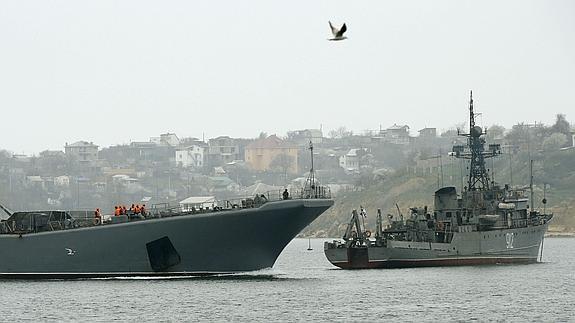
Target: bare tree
{"points": [[282, 163], [340, 132], [561, 125], [555, 141], [495, 132]]}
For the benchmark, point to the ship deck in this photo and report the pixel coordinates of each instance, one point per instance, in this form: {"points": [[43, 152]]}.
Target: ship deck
{"points": [[26, 222]]}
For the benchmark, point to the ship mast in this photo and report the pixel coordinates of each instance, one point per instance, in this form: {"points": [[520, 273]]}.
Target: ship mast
{"points": [[475, 151], [310, 186]]}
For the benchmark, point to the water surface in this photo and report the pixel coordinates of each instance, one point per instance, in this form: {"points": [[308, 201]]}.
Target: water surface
{"points": [[304, 286]]}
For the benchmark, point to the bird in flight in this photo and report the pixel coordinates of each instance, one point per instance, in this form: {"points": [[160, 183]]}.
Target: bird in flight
{"points": [[337, 33], [70, 251]]}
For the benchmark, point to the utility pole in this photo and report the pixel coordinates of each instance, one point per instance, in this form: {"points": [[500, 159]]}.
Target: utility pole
{"points": [[78, 193], [441, 165], [531, 184], [528, 127]]}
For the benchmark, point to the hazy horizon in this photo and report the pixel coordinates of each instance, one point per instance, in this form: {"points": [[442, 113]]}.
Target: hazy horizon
{"points": [[113, 72]]}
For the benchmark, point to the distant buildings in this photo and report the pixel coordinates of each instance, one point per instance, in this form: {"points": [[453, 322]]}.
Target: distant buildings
{"points": [[85, 153], [222, 150], [223, 184], [350, 161], [396, 134], [428, 133], [51, 154], [303, 137], [191, 156], [169, 139], [62, 181], [272, 152], [138, 152]]}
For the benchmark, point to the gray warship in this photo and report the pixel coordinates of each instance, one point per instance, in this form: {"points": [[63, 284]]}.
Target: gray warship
{"points": [[232, 236], [486, 224]]}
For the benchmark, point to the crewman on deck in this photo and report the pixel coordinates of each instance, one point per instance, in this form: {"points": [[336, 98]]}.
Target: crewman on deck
{"points": [[143, 210], [116, 210], [137, 209], [285, 194], [124, 211], [97, 216]]}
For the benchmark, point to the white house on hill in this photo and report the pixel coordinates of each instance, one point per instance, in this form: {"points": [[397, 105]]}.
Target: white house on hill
{"points": [[191, 156]]}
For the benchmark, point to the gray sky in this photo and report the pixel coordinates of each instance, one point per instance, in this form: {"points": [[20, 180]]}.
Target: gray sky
{"points": [[118, 71]]}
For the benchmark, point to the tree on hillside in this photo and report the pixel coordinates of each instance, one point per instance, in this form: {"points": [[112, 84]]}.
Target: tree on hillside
{"points": [[5, 154], [453, 131], [555, 141], [449, 133], [340, 132], [282, 163], [495, 132], [561, 125], [531, 135]]}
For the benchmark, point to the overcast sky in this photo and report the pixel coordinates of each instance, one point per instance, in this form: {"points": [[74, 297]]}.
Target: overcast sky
{"points": [[112, 72]]}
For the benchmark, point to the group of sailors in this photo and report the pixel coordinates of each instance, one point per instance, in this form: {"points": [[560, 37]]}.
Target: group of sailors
{"points": [[134, 210]]}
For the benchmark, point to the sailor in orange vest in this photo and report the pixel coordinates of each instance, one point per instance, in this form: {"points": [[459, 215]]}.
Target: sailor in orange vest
{"points": [[117, 210], [143, 209]]}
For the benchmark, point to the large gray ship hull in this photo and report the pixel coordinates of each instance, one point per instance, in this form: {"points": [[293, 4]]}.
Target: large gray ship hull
{"points": [[209, 243], [519, 245]]}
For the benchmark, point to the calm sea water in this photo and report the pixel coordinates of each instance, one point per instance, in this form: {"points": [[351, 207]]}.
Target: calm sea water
{"points": [[303, 286]]}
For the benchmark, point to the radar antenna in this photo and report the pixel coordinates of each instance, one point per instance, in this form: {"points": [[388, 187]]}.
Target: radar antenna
{"points": [[475, 151]]}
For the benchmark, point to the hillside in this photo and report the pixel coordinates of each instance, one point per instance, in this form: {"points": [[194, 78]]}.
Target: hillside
{"points": [[555, 169]]}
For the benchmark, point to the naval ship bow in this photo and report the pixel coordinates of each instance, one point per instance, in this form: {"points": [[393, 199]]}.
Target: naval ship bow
{"points": [[485, 224], [230, 236]]}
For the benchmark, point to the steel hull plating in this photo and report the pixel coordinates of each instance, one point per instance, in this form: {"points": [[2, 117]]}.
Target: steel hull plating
{"points": [[519, 245], [211, 243]]}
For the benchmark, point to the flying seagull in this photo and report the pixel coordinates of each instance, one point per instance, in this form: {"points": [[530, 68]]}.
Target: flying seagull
{"points": [[70, 251], [337, 33]]}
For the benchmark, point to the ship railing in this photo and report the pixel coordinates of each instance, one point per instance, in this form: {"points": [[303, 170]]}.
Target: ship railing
{"points": [[314, 192], [40, 221], [240, 202], [533, 220], [85, 218], [518, 223]]}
